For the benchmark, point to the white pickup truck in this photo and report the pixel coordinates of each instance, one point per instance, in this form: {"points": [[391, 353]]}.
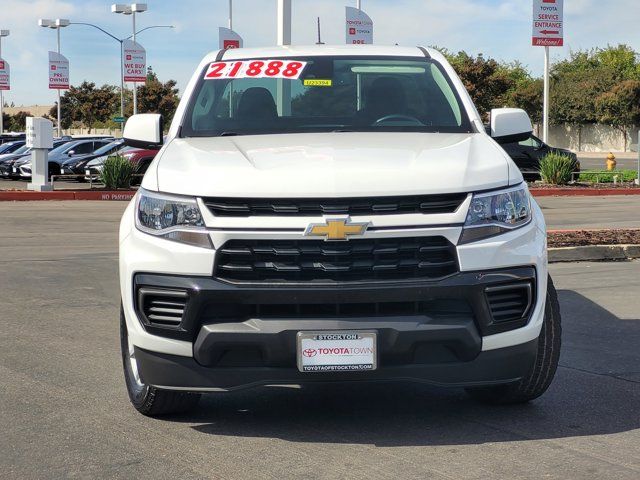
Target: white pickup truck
{"points": [[332, 213]]}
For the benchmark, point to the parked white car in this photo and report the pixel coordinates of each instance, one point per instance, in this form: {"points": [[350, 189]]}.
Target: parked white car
{"points": [[332, 214]]}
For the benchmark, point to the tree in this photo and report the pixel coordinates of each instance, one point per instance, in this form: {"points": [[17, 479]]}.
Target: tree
{"points": [[485, 80], [18, 122], [527, 95], [157, 97], [87, 104], [620, 107]]}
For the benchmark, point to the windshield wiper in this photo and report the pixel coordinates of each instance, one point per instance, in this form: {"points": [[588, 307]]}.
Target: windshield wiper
{"points": [[229, 134]]}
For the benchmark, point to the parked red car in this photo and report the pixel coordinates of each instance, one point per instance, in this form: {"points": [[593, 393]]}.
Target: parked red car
{"points": [[139, 157]]}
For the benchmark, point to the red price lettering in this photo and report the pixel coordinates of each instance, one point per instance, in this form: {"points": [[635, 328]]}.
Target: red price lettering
{"points": [[215, 70], [235, 69], [273, 69], [255, 68], [292, 70]]}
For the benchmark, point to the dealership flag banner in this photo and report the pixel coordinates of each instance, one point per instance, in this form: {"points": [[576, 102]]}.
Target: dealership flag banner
{"points": [[548, 23], [134, 62], [5, 78], [228, 39], [359, 27], [58, 71]]}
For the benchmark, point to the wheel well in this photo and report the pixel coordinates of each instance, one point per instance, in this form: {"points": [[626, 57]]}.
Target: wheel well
{"points": [[54, 168]]}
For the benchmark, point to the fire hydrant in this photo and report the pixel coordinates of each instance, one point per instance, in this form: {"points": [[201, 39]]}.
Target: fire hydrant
{"points": [[611, 162]]}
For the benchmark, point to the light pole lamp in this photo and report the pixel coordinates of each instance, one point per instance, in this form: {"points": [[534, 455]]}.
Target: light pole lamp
{"points": [[131, 9], [3, 33], [56, 25]]}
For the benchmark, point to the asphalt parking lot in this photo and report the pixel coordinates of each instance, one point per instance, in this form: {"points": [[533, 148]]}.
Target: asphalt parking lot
{"points": [[64, 412]]}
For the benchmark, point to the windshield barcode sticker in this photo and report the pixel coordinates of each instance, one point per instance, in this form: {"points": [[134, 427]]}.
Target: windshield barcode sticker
{"points": [[291, 69]]}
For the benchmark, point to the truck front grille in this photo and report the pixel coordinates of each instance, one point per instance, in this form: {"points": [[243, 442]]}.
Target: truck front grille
{"points": [[310, 207], [275, 261]]}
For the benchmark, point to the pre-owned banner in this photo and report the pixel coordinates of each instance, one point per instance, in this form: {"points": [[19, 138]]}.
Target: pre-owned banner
{"points": [[58, 71], [228, 39], [359, 27], [134, 62], [5, 77]]}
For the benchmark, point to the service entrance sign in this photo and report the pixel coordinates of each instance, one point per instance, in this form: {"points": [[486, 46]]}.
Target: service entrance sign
{"points": [[5, 79], [58, 71], [134, 62], [548, 23]]}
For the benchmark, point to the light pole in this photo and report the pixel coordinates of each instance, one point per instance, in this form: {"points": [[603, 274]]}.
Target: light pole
{"points": [[3, 33], [56, 24], [120, 40], [131, 10]]}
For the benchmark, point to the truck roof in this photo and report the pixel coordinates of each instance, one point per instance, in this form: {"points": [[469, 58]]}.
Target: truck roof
{"points": [[318, 50]]}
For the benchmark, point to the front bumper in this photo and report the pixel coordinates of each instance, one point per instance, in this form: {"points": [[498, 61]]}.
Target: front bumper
{"points": [[245, 335], [175, 372]]}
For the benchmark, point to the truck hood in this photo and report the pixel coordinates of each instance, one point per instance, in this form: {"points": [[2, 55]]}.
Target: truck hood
{"points": [[330, 165]]}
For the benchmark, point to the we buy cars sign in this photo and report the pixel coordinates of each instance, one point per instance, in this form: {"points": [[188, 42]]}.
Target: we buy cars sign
{"points": [[58, 71], [5, 79], [548, 23], [134, 62]]}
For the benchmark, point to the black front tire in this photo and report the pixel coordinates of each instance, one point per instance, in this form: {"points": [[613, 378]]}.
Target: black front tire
{"points": [[146, 399], [537, 381]]}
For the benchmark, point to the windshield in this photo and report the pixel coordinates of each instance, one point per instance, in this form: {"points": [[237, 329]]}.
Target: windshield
{"points": [[109, 147], [22, 149], [324, 94]]}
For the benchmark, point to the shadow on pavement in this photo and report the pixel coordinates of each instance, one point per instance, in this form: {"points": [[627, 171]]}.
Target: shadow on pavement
{"points": [[596, 392]]}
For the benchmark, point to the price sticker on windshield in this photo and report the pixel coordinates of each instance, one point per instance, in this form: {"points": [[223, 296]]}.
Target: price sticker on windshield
{"points": [[291, 69]]}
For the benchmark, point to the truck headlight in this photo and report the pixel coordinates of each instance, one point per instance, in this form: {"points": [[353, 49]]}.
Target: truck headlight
{"points": [[171, 217], [497, 212]]}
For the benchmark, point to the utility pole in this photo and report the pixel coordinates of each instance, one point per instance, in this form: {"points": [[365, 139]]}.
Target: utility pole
{"points": [[319, 42], [3, 33], [135, 87], [283, 87], [131, 10], [284, 22], [58, 90], [545, 105]]}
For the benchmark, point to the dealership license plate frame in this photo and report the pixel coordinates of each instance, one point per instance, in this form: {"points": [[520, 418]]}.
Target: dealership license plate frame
{"points": [[336, 367]]}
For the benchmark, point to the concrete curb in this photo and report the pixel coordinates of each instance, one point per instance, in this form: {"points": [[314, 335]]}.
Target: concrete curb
{"points": [[583, 192], [21, 195], [594, 253]]}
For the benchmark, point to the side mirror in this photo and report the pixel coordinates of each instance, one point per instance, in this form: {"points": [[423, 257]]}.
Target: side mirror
{"points": [[71, 153], [510, 125], [144, 131]]}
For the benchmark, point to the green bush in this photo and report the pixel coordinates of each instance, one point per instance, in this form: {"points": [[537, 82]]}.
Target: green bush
{"points": [[600, 176], [117, 172], [556, 169]]}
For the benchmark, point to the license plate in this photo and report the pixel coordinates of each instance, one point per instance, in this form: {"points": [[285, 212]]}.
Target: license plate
{"points": [[336, 351], [87, 173], [62, 171], [15, 170]]}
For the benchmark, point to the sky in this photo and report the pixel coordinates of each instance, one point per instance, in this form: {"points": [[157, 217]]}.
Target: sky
{"points": [[496, 28]]}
